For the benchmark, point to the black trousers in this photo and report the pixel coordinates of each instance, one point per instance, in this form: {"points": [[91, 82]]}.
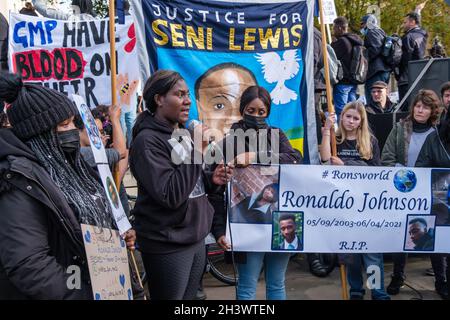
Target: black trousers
{"points": [[175, 276], [437, 262]]}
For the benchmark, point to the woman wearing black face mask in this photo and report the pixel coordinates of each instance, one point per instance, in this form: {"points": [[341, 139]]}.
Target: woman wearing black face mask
{"points": [[46, 191], [255, 108]]}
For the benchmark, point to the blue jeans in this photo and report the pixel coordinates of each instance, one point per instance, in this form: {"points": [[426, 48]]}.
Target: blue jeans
{"points": [[355, 278], [343, 94], [127, 122], [275, 265], [379, 76]]}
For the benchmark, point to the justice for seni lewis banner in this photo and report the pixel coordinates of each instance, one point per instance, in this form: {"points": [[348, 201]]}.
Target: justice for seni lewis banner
{"points": [[222, 47], [73, 57], [340, 209]]}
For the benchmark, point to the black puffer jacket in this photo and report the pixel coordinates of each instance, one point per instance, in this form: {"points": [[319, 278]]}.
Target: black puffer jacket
{"points": [[374, 42], [40, 235], [414, 44], [343, 47], [169, 213]]}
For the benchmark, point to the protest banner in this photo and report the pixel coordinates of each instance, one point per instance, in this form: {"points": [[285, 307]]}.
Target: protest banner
{"points": [[340, 209], [108, 263], [222, 47], [98, 149], [73, 57], [114, 200], [102, 164]]}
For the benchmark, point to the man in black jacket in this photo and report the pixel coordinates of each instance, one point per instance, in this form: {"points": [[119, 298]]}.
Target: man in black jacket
{"points": [[414, 43], [345, 91], [374, 38]]}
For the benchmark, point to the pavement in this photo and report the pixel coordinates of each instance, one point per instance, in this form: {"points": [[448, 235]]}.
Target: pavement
{"points": [[302, 285]]}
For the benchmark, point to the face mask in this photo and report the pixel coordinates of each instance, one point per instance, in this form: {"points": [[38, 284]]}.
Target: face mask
{"points": [[255, 122], [69, 140], [363, 31]]}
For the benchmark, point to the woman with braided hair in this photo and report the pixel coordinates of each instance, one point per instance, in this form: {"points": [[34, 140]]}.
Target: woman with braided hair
{"points": [[46, 191]]}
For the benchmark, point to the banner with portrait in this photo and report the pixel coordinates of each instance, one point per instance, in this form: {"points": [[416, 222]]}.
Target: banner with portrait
{"points": [[339, 209], [73, 57], [101, 160], [222, 47]]}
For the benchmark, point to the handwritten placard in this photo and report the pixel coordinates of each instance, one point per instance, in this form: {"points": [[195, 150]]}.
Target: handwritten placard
{"points": [[108, 263]]}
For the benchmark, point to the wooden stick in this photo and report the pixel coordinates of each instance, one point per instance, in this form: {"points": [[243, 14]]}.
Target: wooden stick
{"points": [[112, 49], [137, 272], [332, 135], [112, 52]]}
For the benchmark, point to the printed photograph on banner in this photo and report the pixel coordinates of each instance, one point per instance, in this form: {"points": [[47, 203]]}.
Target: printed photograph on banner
{"points": [[108, 264], [254, 194], [287, 231], [440, 186], [95, 138], [113, 196], [420, 232]]}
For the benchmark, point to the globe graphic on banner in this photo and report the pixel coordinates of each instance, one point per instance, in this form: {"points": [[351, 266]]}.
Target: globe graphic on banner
{"points": [[405, 180]]}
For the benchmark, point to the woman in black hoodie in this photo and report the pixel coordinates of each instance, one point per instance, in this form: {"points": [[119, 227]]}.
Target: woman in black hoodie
{"points": [[173, 215]]}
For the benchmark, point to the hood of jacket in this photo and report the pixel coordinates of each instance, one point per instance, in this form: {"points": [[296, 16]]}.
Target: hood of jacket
{"points": [[354, 39], [151, 122], [11, 145], [417, 30]]}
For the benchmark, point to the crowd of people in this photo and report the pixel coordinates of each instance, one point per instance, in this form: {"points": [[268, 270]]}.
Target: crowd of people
{"points": [[49, 182]]}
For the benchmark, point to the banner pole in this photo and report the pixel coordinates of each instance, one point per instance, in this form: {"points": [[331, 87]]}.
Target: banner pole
{"points": [[332, 133], [329, 33], [112, 51]]}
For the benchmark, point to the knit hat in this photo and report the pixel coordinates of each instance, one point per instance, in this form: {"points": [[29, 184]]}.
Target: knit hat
{"points": [[33, 109], [379, 84]]}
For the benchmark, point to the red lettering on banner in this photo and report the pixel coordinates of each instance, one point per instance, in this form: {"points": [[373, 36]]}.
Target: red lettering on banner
{"points": [[41, 65]]}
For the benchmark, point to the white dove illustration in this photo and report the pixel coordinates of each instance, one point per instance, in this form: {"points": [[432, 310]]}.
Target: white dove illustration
{"points": [[277, 70]]}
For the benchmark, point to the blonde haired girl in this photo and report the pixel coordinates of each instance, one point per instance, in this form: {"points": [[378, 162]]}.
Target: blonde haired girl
{"points": [[355, 146]]}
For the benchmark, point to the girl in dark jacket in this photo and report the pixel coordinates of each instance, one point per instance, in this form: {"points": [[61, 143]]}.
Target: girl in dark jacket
{"points": [[255, 108], [46, 191], [173, 215]]}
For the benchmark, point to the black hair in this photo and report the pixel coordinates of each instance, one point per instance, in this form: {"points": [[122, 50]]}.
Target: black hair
{"points": [[159, 83], [445, 87], [221, 66], [341, 22], [252, 93], [78, 122], [413, 16], [286, 216], [274, 186], [419, 220]]}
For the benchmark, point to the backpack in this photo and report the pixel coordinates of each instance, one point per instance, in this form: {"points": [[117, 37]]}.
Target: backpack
{"points": [[335, 66], [359, 65], [392, 51]]}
